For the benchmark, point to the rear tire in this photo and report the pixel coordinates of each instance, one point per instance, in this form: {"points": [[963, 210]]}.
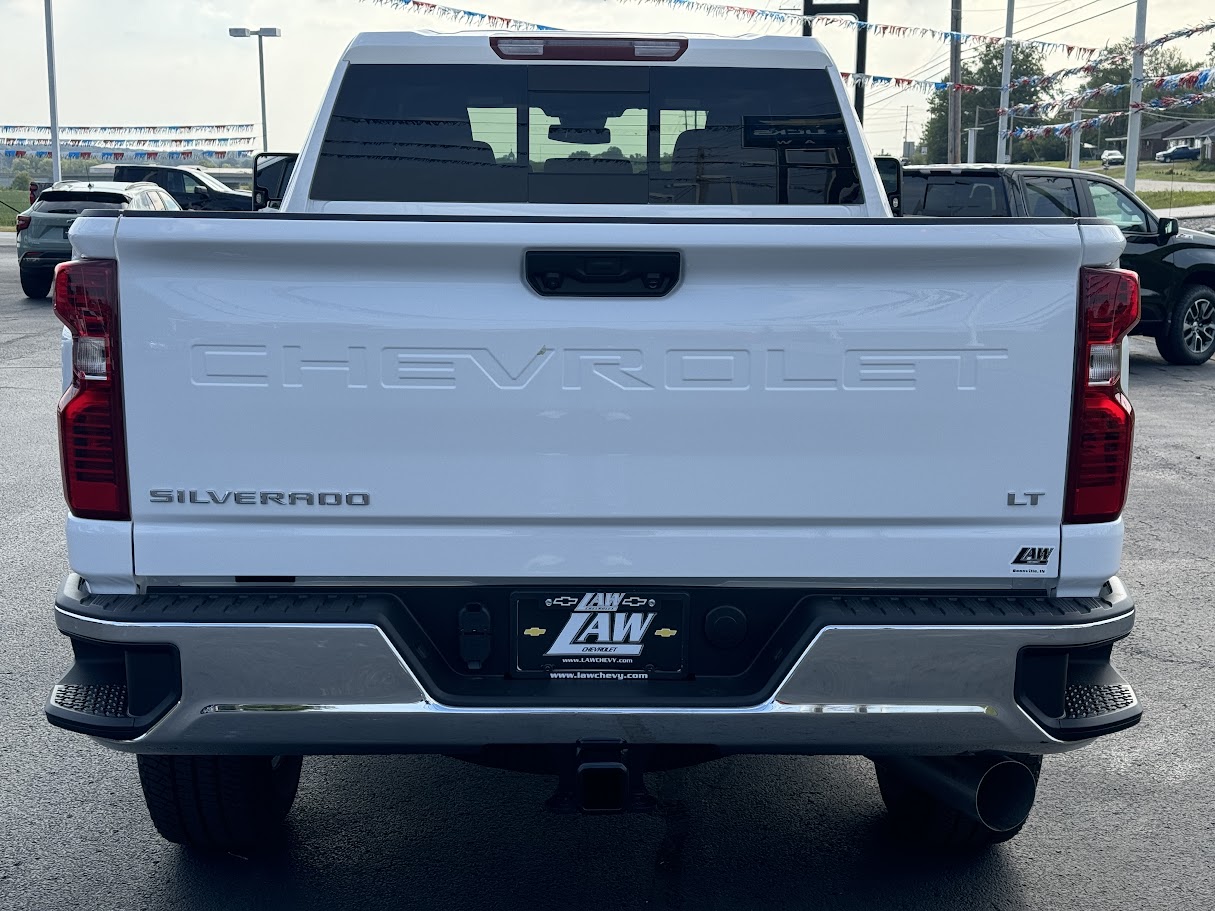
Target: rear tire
{"points": [[1190, 338], [220, 803], [930, 825], [36, 284]]}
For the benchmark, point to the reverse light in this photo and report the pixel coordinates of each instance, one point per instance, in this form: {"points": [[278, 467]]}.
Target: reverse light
{"points": [[23, 222], [589, 48], [1103, 422], [92, 446]]}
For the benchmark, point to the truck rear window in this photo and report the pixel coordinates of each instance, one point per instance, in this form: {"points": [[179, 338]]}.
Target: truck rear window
{"points": [[586, 134], [954, 195]]}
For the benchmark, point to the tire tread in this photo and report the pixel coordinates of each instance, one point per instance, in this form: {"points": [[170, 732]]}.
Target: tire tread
{"points": [[218, 803], [33, 286], [1170, 343]]}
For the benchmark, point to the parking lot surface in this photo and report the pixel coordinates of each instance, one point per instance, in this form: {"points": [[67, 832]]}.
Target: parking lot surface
{"points": [[1128, 823]]}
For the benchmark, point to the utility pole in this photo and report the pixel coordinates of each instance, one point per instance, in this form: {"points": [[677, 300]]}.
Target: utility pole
{"points": [[1076, 137], [1132, 126], [906, 127], [1002, 155], [973, 137], [860, 10], [955, 76], [56, 166]]}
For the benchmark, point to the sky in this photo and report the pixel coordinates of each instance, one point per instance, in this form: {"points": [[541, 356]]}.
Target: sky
{"points": [[172, 62]]}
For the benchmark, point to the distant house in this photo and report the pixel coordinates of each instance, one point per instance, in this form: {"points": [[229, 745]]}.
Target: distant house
{"points": [[1153, 138], [1197, 135]]}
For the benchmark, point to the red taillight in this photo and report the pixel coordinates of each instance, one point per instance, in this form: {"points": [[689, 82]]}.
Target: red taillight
{"points": [[1103, 422], [92, 448], [546, 48], [23, 222]]}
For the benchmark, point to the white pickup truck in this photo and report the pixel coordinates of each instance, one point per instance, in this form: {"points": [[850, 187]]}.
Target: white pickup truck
{"points": [[583, 409]]}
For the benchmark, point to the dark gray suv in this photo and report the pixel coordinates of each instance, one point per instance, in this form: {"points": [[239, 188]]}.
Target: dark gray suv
{"points": [[42, 229]]}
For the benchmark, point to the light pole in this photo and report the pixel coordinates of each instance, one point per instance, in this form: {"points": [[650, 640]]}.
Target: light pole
{"points": [[56, 171], [261, 65]]}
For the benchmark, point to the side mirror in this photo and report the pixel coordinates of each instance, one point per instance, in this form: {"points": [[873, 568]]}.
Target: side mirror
{"points": [[891, 172], [202, 190], [271, 175], [1166, 228]]}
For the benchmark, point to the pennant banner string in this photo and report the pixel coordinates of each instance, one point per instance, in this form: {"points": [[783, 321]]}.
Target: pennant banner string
{"points": [[128, 143], [138, 130], [1067, 129], [748, 14], [140, 156], [1195, 79]]}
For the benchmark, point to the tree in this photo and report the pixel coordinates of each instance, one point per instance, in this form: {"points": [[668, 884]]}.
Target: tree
{"points": [[985, 70]]}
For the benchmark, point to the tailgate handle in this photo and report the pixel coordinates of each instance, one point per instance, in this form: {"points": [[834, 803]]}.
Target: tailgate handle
{"points": [[601, 273]]}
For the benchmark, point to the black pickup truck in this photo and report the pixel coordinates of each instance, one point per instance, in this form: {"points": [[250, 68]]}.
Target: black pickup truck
{"points": [[1176, 266], [192, 187]]}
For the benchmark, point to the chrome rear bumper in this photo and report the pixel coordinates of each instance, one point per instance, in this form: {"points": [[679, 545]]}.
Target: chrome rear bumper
{"points": [[278, 687]]}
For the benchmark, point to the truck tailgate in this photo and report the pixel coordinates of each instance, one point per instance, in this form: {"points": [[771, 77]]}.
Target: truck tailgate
{"points": [[388, 398]]}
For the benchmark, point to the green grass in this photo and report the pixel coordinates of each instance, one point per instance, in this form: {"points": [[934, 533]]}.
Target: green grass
{"points": [[1148, 170], [19, 200], [1169, 199]]}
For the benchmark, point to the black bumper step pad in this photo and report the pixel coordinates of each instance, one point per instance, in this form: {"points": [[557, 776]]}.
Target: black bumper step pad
{"points": [[105, 699], [115, 690], [1090, 700], [1075, 693]]}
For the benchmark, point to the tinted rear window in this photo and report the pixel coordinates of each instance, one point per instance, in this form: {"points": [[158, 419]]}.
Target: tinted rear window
{"points": [[954, 195], [67, 202], [586, 134], [136, 174]]}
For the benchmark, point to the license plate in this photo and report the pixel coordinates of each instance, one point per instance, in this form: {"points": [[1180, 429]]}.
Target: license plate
{"points": [[600, 635]]}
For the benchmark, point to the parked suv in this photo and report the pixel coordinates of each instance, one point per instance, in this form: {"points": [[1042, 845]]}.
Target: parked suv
{"points": [[42, 229], [1112, 157], [192, 187], [1176, 267]]}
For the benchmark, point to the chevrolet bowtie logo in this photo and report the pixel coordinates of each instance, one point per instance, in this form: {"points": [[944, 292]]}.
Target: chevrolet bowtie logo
{"points": [[534, 631], [665, 633]]}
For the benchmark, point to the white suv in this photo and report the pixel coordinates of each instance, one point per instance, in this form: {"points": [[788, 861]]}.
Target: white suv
{"points": [[1111, 157]]}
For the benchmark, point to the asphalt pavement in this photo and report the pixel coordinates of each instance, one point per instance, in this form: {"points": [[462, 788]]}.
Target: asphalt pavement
{"points": [[1128, 823]]}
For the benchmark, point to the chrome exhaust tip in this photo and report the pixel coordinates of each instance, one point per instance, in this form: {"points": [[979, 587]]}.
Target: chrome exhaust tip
{"points": [[996, 792]]}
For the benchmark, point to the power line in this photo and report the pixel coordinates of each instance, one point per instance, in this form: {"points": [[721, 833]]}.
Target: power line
{"points": [[1082, 21], [1027, 23], [940, 59], [1000, 9]]}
